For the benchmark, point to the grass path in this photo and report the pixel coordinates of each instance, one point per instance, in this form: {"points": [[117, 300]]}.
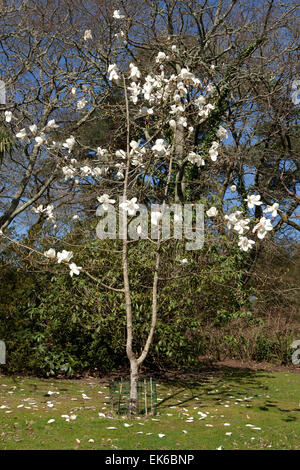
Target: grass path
{"points": [[235, 410]]}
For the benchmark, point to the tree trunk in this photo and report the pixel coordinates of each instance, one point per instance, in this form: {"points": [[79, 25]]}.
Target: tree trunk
{"points": [[134, 375]]}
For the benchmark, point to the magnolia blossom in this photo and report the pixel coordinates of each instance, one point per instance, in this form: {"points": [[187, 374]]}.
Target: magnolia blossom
{"points": [[69, 172], [212, 212], [101, 152], [233, 188], [130, 206], [51, 125], [69, 143], [81, 103], [135, 74], [232, 219], [86, 171], [33, 129], [51, 253], [117, 15], [194, 158], [74, 269], [22, 134], [263, 226], [172, 123], [8, 116], [161, 56], [253, 200], [39, 209], [64, 256], [105, 201], [222, 133], [183, 261], [245, 243], [113, 72], [121, 154], [87, 35], [135, 90], [40, 139], [159, 148], [213, 151], [273, 209], [48, 210], [241, 226]]}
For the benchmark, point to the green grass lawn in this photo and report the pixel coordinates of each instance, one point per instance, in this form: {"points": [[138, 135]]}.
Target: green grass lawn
{"points": [[235, 409]]}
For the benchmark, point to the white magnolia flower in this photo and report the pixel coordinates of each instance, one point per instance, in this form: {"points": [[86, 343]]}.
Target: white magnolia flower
{"points": [[69, 143], [263, 226], [120, 175], [253, 200], [74, 269], [40, 139], [181, 121], [105, 201], [64, 256], [51, 125], [161, 56], [135, 74], [75, 217], [69, 172], [222, 133], [101, 152], [33, 129], [117, 15], [81, 103], [8, 116], [195, 159], [186, 75], [159, 148], [273, 209], [130, 206], [135, 90], [51, 253], [172, 123], [213, 151], [121, 154], [183, 261], [232, 219], [87, 35], [73, 91], [245, 244], [22, 134], [241, 226], [86, 171], [113, 72], [39, 209], [233, 188], [174, 48], [212, 212]]}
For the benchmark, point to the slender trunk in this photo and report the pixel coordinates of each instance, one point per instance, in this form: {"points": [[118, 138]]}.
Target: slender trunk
{"points": [[134, 376]]}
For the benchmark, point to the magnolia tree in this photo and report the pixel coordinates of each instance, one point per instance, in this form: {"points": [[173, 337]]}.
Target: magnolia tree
{"points": [[160, 110]]}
